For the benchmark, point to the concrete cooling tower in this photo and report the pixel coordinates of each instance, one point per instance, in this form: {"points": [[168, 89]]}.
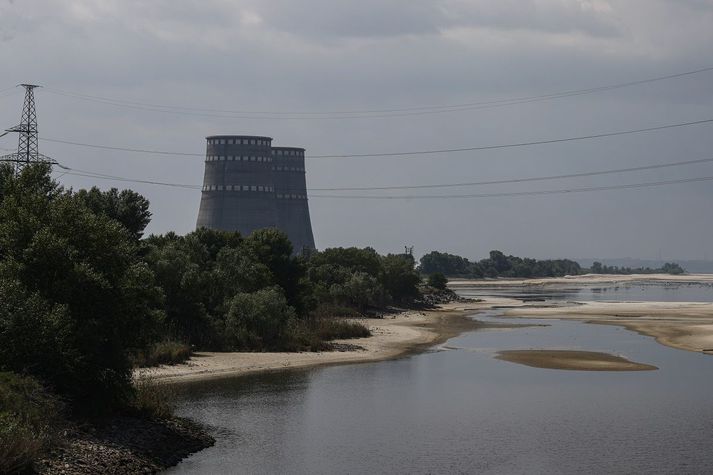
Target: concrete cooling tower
{"points": [[250, 185], [291, 196]]}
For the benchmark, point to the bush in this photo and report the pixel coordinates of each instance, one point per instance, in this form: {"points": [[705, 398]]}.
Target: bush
{"points": [[164, 352], [438, 281], [29, 419], [327, 310], [259, 321], [333, 329]]}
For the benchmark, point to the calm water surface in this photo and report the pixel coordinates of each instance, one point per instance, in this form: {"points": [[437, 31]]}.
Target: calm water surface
{"points": [[455, 409]]}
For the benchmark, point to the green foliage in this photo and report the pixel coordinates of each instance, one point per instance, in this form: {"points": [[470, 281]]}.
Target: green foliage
{"points": [[673, 268], [668, 268], [74, 295], [163, 352], [497, 265], [339, 329], [438, 281], [127, 207], [272, 249], [259, 320], [446, 264], [361, 278], [399, 278], [202, 272], [29, 419]]}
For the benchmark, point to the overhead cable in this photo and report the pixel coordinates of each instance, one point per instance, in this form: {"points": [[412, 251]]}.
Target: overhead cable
{"points": [[519, 193], [411, 152], [365, 113], [90, 174]]}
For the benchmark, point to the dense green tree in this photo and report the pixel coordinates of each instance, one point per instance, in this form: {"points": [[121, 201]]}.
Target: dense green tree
{"points": [[272, 248], [76, 276], [259, 321], [447, 264], [438, 281], [126, 206], [359, 290], [399, 278]]}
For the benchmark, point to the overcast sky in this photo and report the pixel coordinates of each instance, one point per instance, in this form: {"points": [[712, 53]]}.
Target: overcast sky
{"points": [[343, 55]]}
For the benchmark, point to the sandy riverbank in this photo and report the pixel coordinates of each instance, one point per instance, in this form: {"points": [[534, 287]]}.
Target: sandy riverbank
{"points": [[682, 325], [392, 336], [572, 360]]}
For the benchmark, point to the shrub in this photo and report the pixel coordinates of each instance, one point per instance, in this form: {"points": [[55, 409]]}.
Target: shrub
{"points": [[327, 310], [333, 329], [164, 352], [259, 321], [29, 419], [437, 280]]}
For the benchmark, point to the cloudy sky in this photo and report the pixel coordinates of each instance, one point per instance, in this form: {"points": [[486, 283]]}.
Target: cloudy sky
{"points": [[294, 58]]}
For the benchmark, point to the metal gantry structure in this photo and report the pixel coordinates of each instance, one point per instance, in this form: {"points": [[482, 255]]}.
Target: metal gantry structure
{"points": [[27, 147]]}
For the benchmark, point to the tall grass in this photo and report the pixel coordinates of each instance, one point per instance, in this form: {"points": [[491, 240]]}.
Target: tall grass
{"points": [[152, 399], [164, 352], [29, 420], [337, 329]]}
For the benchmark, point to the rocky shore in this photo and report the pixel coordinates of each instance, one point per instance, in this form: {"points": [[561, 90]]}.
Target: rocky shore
{"points": [[125, 445]]}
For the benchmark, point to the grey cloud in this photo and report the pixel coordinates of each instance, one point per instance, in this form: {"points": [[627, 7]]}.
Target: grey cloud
{"points": [[376, 18]]}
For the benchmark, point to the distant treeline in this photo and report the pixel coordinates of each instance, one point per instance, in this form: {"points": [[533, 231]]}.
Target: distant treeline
{"points": [[668, 268], [501, 265], [497, 265]]}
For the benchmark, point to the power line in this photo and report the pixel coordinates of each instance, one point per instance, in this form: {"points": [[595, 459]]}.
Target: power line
{"points": [[90, 174], [367, 113], [513, 145], [123, 149], [521, 193], [406, 153], [518, 180], [453, 196]]}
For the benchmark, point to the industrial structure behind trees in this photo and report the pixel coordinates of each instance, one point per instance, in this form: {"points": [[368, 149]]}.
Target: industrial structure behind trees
{"points": [[249, 185]]}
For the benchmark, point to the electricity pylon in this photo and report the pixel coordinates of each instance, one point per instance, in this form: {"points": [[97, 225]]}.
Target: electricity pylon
{"points": [[27, 148]]}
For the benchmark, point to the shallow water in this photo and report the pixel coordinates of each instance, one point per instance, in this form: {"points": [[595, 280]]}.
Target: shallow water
{"points": [[456, 409], [621, 292]]}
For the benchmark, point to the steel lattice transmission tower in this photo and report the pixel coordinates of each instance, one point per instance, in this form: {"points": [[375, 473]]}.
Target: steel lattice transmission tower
{"points": [[27, 148]]}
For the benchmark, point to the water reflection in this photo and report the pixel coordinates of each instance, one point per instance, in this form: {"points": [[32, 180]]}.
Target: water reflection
{"points": [[461, 411]]}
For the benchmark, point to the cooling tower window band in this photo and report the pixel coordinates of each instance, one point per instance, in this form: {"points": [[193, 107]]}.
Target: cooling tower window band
{"points": [[291, 197], [252, 188], [238, 142], [288, 169], [235, 158]]}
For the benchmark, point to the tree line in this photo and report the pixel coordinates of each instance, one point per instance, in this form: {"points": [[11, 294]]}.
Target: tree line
{"points": [[496, 265], [500, 265]]}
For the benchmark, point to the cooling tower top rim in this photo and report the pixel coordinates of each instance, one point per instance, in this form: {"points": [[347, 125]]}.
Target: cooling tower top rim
{"points": [[299, 149], [259, 137]]}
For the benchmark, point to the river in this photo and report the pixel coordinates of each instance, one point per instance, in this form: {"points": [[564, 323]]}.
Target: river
{"points": [[456, 409]]}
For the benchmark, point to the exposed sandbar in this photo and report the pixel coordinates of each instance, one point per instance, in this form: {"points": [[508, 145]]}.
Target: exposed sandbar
{"points": [[572, 360], [682, 325]]}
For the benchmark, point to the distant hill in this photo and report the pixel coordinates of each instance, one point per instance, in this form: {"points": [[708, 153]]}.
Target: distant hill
{"points": [[692, 266]]}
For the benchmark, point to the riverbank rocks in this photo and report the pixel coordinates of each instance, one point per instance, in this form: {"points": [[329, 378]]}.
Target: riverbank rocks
{"points": [[125, 445]]}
